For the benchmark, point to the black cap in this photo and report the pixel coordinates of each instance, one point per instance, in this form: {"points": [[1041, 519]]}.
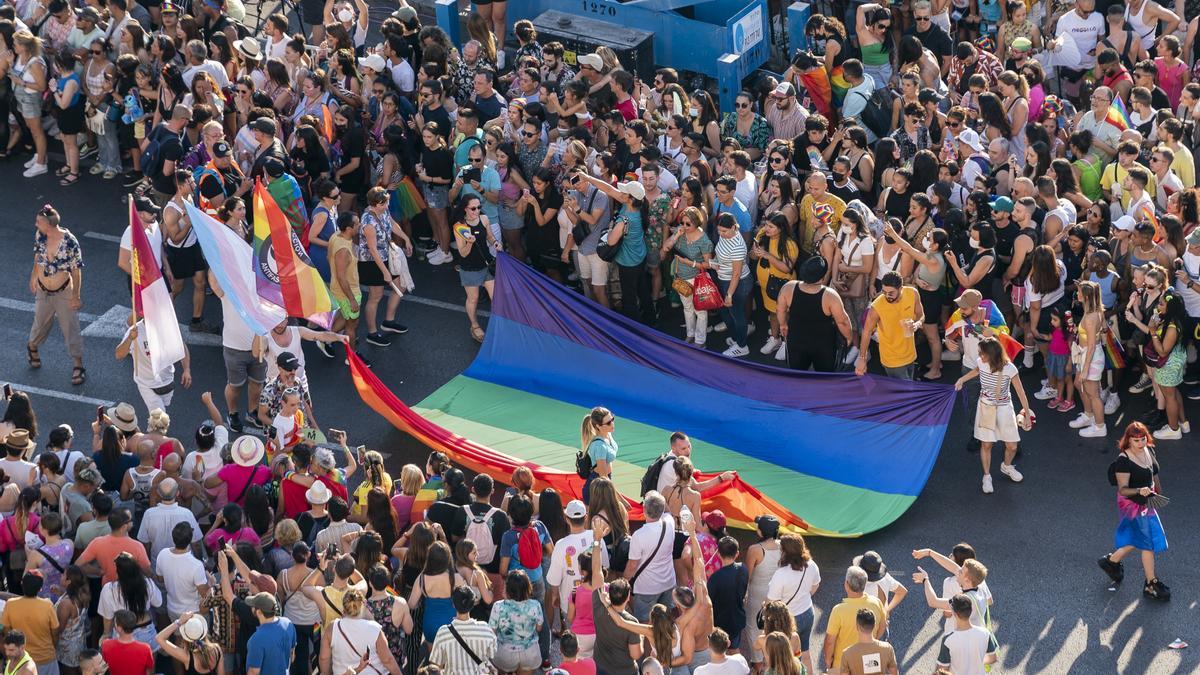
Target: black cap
{"points": [[768, 525], [274, 167], [144, 205], [264, 124], [221, 149], [287, 361], [928, 95]]}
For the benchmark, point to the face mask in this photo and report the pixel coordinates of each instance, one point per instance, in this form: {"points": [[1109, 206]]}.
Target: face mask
{"points": [[694, 112], [975, 244], [345, 15], [838, 177], [926, 243]]}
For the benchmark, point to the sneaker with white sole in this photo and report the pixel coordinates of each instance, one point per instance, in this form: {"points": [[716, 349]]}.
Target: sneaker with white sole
{"points": [[1011, 471], [851, 356], [35, 170], [1094, 431], [1141, 385], [781, 355], [1168, 434], [1185, 427], [1028, 361], [438, 257], [987, 484], [771, 346], [1083, 420], [323, 347], [1112, 403], [31, 161], [1046, 393], [736, 351]]}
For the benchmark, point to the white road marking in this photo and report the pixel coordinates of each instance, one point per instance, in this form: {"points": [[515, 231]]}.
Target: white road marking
{"points": [[64, 395], [111, 238], [23, 306], [441, 305], [113, 324]]}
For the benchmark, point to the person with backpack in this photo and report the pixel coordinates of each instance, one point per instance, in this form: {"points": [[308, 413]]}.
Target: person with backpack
{"points": [[164, 148], [486, 527], [661, 473], [523, 547], [599, 448], [860, 105]]}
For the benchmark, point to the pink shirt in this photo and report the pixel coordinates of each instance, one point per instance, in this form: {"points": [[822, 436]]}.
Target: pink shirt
{"points": [[247, 534], [628, 109], [235, 477], [579, 667], [1058, 343], [1170, 78], [584, 623]]}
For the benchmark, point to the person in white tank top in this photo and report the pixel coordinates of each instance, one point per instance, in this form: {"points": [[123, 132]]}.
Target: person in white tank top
{"points": [[1144, 20], [285, 338]]}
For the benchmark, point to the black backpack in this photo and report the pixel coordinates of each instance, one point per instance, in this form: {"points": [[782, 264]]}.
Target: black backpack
{"points": [[583, 464], [650, 478], [877, 114]]}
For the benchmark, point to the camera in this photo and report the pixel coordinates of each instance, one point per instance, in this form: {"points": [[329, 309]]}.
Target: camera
{"points": [[472, 174]]}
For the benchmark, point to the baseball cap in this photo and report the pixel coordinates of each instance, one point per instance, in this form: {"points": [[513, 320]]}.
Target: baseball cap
{"points": [[91, 14], [263, 602], [274, 167], [1022, 44], [221, 149], [405, 14], [592, 61], [872, 564], [575, 509], [971, 138], [265, 125], [373, 61], [715, 519], [1125, 223], [1002, 204], [287, 361], [1193, 238], [969, 299], [767, 524], [784, 89], [144, 205], [633, 189]]}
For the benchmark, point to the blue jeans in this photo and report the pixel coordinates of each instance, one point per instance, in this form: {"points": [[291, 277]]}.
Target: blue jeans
{"points": [[643, 602], [902, 372], [735, 316], [804, 626], [110, 147]]}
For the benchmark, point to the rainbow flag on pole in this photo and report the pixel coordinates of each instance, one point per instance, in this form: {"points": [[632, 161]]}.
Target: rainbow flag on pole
{"points": [[1118, 116], [152, 299], [283, 267], [232, 262]]}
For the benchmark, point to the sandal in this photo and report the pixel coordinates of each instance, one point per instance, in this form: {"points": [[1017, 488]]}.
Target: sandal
{"points": [[69, 180], [62, 171], [31, 353], [78, 375], [477, 333]]}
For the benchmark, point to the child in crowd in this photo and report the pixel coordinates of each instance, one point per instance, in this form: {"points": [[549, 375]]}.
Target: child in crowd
{"points": [[1058, 361]]}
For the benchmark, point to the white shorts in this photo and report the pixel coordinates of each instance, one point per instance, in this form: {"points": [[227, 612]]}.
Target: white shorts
{"points": [[592, 267], [1096, 368], [1006, 426], [153, 400], [510, 659], [587, 644]]}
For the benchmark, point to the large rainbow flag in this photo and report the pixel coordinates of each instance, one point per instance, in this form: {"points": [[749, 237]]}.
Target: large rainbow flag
{"points": [[829, 454]]}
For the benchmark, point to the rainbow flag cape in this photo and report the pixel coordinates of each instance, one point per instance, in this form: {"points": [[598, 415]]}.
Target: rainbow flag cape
{"points": [[152, 300], [957, 326], [817, 83], [1118, 116], [828, 454], [284, 274], [837, 80], [233, 263]]}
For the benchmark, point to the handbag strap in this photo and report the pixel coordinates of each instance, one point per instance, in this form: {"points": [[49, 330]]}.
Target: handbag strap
{"points": [[330, 603], [803, 576], [463, 643], [646, 563], [350, 643]]}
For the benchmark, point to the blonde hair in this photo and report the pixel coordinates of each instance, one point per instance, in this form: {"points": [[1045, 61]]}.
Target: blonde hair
{"points": [[590, 429], [778, 654], [158, 422], [411, 480], [352, 603], [29, 41], [287, 533], [578, 150], [1089, 292], [695, 216], [481, 32], [976, 571], [609, 57]]}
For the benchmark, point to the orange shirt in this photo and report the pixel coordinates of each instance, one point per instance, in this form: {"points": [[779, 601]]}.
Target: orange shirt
{"points": [[36, 618], [104, 551]]}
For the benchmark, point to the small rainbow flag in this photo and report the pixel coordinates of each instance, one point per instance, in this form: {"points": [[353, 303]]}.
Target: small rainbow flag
{"points": [[1146, 213], [1118, 116], [283, 267]]}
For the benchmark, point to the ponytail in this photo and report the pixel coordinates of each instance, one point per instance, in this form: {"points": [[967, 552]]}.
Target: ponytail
{"points": [[590, 428]]}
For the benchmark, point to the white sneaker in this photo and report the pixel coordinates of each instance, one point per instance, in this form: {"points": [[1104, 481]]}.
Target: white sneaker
{"points": [[851, 356], [35, 170], [1141, 385], [736, 351], [1112, 403], [438, 257], [1084, 420], [1104, 394], [1046, 393], [771, 346], [1094, 431], [1011, 471], [701, 342], [1029, 357], [781, 355], [1185, 427], [987, 485], [1168, 434], [1045, 382], [31, 161]]}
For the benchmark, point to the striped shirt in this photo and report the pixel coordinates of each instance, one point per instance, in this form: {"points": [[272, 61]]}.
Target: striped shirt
{"points": [[728, 251], [990, 383], [455, 660]]}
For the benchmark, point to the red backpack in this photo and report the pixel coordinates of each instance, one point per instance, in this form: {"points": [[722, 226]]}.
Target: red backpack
{"points": [[529, 547]]}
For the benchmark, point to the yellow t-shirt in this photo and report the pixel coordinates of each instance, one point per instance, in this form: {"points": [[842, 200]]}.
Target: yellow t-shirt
{"points": [[36, 618], [1114, 174], [360, 494], [1184, 167], [843, 621], [808, 223], [896, 349], [337, 243]]}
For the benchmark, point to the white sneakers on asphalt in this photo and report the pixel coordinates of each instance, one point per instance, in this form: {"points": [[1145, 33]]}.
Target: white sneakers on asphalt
{"points": [[1046, 393]]}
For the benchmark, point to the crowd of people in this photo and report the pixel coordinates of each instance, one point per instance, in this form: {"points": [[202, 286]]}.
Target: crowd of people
{"points": [[1007, 185]]}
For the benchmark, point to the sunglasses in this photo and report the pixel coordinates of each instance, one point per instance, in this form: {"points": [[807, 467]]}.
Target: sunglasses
{"points": [[97, 53], [954, 125], [742, 105], [473, 208], [777, 160], [883, 26], [608, 421], [476, 160], [528, 134], [922, 19]]}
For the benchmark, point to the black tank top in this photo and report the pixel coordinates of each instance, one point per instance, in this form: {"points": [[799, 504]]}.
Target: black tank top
{"points": [[896, 204], [984, 285], [807, 322]]}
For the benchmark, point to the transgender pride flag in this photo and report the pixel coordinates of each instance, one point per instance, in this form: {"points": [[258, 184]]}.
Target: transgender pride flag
{"points": [[231, 260]]}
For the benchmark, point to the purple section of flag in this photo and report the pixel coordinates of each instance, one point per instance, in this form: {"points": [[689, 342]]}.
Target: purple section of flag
{"points": [[523, 296]]}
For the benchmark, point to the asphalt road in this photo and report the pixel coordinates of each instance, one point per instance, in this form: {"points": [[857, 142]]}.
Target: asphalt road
{"points": [[1040, 539]]}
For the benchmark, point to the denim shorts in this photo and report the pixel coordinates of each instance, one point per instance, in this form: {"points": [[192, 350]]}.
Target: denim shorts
{"points": [[473, 278], [437, 196], [1056, 365]]}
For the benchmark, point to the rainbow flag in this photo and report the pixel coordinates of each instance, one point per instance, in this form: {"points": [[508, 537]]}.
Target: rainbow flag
{"points": [[1118, 116], [282, 269], [817, 83], [232, 262], [1146, 214], [837, 80], [286, 193], [550, 355], [958, 325], [152, 300]]}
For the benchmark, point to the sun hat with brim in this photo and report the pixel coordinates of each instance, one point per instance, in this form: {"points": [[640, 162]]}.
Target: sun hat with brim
{"points": [[247, 451], [249, 48], [318, 493], [19, 441], [123, 417], [194, 629]]}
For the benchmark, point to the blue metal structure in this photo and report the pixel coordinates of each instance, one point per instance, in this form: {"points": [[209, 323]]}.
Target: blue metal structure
{"points": [[724, 39]]}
